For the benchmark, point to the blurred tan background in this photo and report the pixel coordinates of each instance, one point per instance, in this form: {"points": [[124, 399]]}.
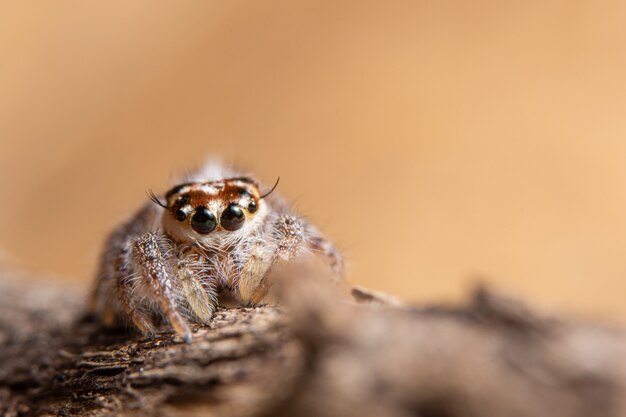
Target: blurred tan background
{"points": [[434, 141]]}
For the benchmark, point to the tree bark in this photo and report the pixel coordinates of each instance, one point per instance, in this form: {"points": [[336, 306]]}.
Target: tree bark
{"points": [[315, 355]]}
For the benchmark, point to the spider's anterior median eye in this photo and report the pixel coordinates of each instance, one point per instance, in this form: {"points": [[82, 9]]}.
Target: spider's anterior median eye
{"points": [[232, 217], [203, 221]]}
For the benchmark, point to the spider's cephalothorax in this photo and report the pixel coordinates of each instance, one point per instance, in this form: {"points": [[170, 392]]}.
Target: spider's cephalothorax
{"points": [[214, 231]]}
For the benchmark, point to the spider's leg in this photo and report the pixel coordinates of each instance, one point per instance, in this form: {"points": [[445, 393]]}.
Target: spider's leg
{"points": [[140, 318], [102, 300], [253, 282], [322, 247], [96, 294], [198, 287], [252, 275], [152, 266], [126, 282]]}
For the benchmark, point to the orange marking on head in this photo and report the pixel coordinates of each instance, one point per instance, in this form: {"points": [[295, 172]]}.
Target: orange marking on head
{"points": [[227, 191]]}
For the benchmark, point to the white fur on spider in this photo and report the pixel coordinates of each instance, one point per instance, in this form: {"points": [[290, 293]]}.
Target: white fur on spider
{"points": [[212, 169]]}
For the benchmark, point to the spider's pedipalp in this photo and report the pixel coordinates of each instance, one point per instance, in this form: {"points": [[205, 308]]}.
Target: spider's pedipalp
{"points": [[198, 287], [287, 235]]}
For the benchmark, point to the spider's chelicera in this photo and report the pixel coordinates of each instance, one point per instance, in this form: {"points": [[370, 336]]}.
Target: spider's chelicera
{"points": [[214, 231]]}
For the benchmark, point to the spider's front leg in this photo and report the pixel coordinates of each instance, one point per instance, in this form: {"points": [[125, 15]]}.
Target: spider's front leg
{"points": [[125, 289], [296, 240], [324, 249], [151, 262]]}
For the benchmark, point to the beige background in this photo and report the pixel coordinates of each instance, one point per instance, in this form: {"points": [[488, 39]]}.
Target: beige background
{"points": [[435, 141]]}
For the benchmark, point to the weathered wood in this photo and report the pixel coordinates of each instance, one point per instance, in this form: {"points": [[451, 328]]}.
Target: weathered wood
{"points": [[317, 355]]}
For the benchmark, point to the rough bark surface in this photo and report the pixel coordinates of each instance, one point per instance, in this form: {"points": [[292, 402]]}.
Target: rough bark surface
{"points": [[318, 355]]}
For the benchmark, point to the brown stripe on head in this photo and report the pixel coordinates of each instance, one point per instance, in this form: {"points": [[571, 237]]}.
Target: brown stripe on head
{"points": [[177, 189], [237, 188], [202, 193]]}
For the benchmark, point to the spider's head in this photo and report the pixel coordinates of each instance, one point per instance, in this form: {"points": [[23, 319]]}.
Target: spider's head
{"points": [[206, 211]]}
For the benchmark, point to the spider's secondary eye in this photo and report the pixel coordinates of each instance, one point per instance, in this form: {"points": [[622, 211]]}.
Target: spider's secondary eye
{"points": [[232, 217], [252, 207], [243, 191], [180, 215], [203, 221]]}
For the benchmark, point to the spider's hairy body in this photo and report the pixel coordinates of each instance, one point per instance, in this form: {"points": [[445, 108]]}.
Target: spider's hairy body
{"points": [[214, 231]]}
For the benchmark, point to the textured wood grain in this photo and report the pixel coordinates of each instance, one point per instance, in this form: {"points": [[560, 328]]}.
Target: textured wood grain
{"points": [[316, 355]]}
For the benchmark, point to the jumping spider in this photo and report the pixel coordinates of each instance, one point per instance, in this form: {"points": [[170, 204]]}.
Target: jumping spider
{"points": [[215, 231]]}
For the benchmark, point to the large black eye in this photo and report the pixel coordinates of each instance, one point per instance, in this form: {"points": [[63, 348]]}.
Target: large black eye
{"points": [[203, 221], [180, 215], [232, 217]]}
